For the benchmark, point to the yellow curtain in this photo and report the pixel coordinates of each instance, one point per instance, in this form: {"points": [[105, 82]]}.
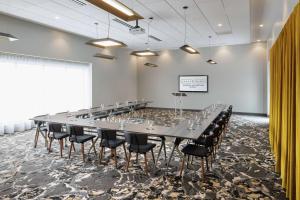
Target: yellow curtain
{"points": [[285, 104]]}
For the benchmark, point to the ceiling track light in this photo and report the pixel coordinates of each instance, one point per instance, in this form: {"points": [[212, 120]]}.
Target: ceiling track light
{"points": [[117, 8], [8, 36], [105, 42], [187, 48], [210, 61]]}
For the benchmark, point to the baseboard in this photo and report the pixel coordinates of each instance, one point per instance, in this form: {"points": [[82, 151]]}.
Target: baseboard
{"points": [[160, 108], [251, 114], [237, 113]]}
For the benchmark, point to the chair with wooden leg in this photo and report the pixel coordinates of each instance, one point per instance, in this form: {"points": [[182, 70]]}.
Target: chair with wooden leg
{"points": [[138, 143], [77, 136], [204, 152], [56, 132], [109, 140]]}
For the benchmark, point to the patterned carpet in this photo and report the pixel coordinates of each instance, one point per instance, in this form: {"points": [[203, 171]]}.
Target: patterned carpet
{"points": [[243, 169]]}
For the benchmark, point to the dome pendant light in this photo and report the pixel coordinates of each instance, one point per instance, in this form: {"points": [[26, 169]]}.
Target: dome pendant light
{"points": [[210, 61], [187, 48], [106, 42]]}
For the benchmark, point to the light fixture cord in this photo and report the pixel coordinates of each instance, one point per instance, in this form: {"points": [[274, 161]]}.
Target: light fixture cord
{"points": [[210, 47], [184, 26], [97, 30], [108, 31], [148, 40]]}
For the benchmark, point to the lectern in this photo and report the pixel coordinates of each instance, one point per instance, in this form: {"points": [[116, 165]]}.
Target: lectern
{"points": [[178, 103]]}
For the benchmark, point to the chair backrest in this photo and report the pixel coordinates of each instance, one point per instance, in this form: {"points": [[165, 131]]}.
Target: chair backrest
{"points": [[55, 128], [76, 130], [108, 134], [209, 141], [217, 131], [136, 139]]}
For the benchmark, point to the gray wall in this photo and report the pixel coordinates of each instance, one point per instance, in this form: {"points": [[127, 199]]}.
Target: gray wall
{"points": [[239, 78], [113, 80]]}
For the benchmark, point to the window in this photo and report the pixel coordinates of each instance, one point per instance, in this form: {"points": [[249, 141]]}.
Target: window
{"points": [[31, 86]]}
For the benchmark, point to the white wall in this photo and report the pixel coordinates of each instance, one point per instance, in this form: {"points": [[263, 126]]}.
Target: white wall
{"points": [[286, 8], [113, 80], [239, 78]]}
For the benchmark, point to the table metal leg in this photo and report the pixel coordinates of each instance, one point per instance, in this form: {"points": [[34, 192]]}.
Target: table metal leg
{"points": [[37, 132], [46, 138], [175, 147], [163, 145], [93, 145]]}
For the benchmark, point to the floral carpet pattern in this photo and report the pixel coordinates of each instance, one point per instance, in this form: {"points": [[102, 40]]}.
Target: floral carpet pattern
{"points": [[243, 169]]}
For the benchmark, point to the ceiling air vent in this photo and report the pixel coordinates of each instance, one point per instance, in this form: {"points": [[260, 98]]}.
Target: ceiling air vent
{"points": [[123, 23], [79, 2]]}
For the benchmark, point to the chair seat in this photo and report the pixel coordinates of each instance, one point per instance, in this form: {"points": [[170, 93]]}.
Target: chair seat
{"points": [[194, 150], [81, 138], [59, 136], [112, 143], [141, 148], [43, 129]]}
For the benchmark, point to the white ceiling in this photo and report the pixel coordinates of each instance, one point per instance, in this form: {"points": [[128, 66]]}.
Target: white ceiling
{"points": [[203, 17]]}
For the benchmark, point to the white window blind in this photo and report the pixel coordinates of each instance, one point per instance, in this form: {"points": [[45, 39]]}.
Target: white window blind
{"points": [[31, 86]]}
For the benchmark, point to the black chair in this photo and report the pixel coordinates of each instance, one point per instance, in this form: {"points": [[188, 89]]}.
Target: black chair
{"points": [[77, 135], [109, 140], [202, 151], [56, 132], [138, 143]]}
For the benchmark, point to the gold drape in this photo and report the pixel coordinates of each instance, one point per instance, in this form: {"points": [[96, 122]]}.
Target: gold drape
{"points": [[285, 104]]}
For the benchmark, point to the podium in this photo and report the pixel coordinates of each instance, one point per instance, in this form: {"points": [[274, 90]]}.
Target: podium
{"points": [[178, 103]]}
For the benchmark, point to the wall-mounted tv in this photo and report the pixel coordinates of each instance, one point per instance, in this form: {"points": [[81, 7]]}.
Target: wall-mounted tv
{"points": [[193, 83]]}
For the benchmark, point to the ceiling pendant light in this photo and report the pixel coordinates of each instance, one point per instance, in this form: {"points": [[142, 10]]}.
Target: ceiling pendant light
{"points": [[148, 52], [210, 61], [144, 53], [104, 56], [8, 36], [187, 48], [117, 8], [105, 42]]}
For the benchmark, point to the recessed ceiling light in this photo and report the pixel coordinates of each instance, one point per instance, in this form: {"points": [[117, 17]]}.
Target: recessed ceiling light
{"points": [[261, 25], [57, 17], [117, 8], [220, 25]]}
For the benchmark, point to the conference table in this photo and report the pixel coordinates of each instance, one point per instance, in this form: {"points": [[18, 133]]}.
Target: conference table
{"points": [[95, 118]]}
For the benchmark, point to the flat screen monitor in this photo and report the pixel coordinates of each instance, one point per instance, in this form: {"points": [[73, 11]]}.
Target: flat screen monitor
{"points": [[193, 83]]}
